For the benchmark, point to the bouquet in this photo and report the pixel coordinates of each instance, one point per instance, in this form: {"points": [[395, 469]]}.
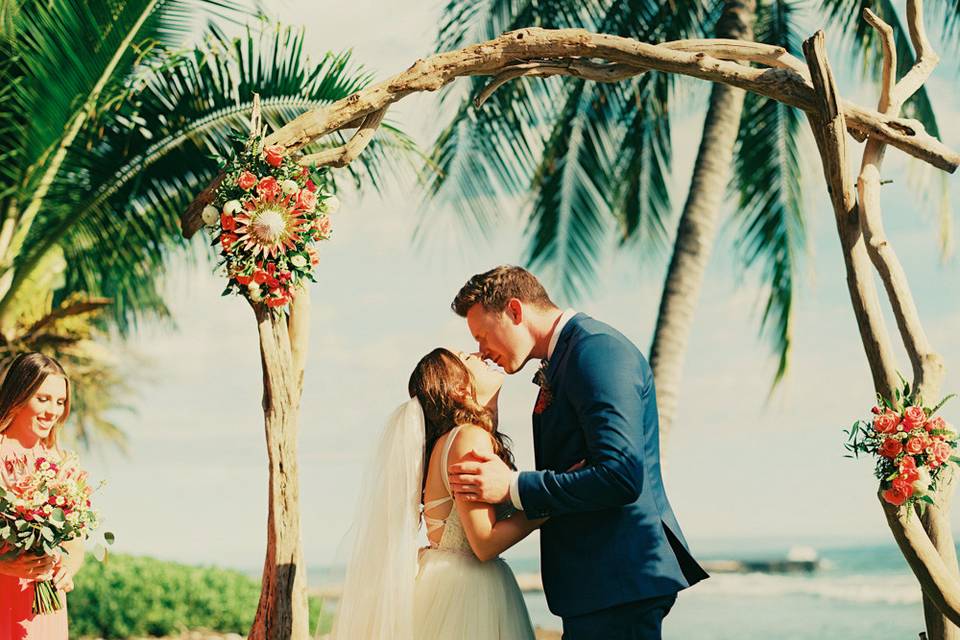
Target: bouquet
{"points": [[266, 215], [913, 447], [46, 503]]}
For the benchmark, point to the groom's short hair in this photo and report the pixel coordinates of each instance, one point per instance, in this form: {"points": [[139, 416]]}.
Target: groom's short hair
{"points": [[493, 289]]}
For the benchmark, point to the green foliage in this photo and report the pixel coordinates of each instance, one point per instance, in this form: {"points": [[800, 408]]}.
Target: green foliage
{"points": [[139, 596]]}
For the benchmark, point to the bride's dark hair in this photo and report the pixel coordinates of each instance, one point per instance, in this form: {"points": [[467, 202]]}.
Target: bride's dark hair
{"points": [[438, 382]]}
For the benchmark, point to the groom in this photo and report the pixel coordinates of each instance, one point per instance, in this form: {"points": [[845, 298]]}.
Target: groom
{"points": [[612, 554]]}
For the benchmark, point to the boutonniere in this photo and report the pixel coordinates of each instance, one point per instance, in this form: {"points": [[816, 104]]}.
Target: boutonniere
{"points": [[545, 396]]}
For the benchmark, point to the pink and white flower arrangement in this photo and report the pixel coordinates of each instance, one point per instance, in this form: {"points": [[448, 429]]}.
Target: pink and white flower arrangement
{"points": [[266, 214], [45, 504], [911, 446]]}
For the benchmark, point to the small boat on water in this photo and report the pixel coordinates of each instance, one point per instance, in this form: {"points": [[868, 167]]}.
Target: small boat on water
{"points": [[798, 560]]}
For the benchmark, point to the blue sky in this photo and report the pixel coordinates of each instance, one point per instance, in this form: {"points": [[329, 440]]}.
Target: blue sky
{"points": [[738, 467]]}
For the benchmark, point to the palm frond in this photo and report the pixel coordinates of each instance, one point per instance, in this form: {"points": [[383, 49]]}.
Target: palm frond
{"points": [[570, 220], [771, 233], [118, 213]]}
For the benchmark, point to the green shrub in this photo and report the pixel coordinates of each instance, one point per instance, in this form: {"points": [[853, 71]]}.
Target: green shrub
{"points": [[139, 596]]}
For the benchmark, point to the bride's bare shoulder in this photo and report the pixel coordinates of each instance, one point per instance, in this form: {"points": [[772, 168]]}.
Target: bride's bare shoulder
{"points": [[471, 437]]}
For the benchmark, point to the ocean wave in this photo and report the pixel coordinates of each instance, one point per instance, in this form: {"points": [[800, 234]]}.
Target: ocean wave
{"points": [[867, 589]]}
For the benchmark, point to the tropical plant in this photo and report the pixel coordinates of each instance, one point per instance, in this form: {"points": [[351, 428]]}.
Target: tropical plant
{"points": [[595, 159], [109, 125]]}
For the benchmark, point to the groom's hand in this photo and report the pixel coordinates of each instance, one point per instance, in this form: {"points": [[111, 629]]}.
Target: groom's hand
{"points": [[481, 478]]}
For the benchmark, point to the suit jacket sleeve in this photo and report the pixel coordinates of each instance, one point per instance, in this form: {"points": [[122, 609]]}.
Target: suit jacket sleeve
{"points": [[604, 385]]}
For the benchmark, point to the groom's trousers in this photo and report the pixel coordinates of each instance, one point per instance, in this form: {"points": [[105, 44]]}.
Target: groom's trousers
{"points": [[640, 620]]}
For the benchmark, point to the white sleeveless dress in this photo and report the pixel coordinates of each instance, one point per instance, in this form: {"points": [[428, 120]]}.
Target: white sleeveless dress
{"points": [[457, 597]]}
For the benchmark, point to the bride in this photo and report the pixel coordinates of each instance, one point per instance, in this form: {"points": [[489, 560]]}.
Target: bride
{"points": [[457, 587]]}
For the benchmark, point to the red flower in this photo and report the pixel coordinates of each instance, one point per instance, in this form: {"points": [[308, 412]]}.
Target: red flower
{"points": [[915, 446], [902, 486], [886, 422], [895, 497], [909, 475], [273, 154], [243, 280], [227, 222], [260, 276], [914, 417], [246, 181], [311, 186], [276, 302], [227, 240], [907, 463], [268, 187], [890, 448]]}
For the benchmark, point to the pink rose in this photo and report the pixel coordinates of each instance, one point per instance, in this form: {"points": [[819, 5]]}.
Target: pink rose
{"points": [[323, 226], [246, 180], [273, 154], [890, 448], [914, 417], [894, 496], [915, 446], [935, 424], [314, 256], [307, 199], [942, 451], [268, 187], [907, 463], [886, 422]]}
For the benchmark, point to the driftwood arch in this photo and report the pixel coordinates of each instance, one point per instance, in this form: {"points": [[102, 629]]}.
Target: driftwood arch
{"points": [[927, 543]]}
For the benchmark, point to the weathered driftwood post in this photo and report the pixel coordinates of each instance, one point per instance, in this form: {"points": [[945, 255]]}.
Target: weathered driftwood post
{"points": [[809, 86]]}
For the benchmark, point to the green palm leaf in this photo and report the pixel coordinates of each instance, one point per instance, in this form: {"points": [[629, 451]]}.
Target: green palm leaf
{"points": [[771, 234], [154, 152]]}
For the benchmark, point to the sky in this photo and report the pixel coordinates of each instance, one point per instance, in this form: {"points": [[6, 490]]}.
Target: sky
{"points": [[742, 465]]}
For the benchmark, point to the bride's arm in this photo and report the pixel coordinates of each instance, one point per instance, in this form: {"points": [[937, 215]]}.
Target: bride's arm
{"points": [[488, 538]]}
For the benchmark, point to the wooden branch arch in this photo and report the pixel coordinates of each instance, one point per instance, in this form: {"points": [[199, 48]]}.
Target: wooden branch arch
{"points": [[809, 85]]}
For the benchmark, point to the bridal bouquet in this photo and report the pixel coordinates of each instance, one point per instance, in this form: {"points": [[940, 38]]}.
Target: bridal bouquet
{"points": [[46, 503], [912, 446], [266, 214]]}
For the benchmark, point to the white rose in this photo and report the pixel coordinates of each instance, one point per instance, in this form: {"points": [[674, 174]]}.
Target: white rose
{"points": [[253, 290], [290, 186], [922, 483], [331, 204], [209, 215], [232, 206], [298, 261]]}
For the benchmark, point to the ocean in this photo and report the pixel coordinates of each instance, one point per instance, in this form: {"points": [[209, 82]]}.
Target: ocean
{"points": [[860, 593]]}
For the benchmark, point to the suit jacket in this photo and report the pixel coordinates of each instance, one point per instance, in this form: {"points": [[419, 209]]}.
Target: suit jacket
{"points": [[612, 537]]}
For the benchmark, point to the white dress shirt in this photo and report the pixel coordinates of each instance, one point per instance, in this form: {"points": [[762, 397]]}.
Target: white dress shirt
{"points": [[554, 337]]}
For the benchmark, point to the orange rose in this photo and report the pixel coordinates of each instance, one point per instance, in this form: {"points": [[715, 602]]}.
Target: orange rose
{"points": [[890, 448], [246, 180], [273, 154]]}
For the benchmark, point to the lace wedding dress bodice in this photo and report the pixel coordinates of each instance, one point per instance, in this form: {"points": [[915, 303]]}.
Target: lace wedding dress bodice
{"points": [[452, 581], [453, 538]]}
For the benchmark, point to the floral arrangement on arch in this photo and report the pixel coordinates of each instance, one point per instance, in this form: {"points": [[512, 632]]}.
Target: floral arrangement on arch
{"points": [[913, 447], [266, 215]]}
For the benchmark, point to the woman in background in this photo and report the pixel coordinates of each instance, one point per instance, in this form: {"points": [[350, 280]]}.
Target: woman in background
{"points": [[34, 404]]}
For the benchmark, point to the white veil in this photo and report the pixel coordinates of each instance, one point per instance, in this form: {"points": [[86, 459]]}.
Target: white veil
{"points": [[377, 599]]}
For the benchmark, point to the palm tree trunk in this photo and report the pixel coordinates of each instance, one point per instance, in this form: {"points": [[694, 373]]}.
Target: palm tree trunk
{"points": [[283, 613], [697, 229]]}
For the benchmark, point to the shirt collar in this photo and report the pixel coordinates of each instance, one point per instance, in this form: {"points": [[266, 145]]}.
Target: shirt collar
{"points": [[557, 330]]}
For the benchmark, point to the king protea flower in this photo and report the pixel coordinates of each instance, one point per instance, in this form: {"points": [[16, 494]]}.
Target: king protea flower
{"points": [[271, 225]]}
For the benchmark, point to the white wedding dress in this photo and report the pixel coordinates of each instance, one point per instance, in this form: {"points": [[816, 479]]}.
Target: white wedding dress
{"points": [[457, 597], [395, 590]]}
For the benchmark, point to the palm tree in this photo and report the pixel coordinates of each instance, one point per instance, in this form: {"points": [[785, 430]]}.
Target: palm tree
{"points": [[110, 126], [596, 158]]}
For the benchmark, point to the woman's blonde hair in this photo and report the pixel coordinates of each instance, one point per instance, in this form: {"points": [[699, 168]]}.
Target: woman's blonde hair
{"points": [[22, 378], [437, 382]]}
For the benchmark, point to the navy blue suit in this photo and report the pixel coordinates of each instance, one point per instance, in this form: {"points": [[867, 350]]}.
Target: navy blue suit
{"points": [[612, 542]]}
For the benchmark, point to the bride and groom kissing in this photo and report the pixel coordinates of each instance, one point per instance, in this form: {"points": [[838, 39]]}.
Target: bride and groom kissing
{"points": [[613, 557]]}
